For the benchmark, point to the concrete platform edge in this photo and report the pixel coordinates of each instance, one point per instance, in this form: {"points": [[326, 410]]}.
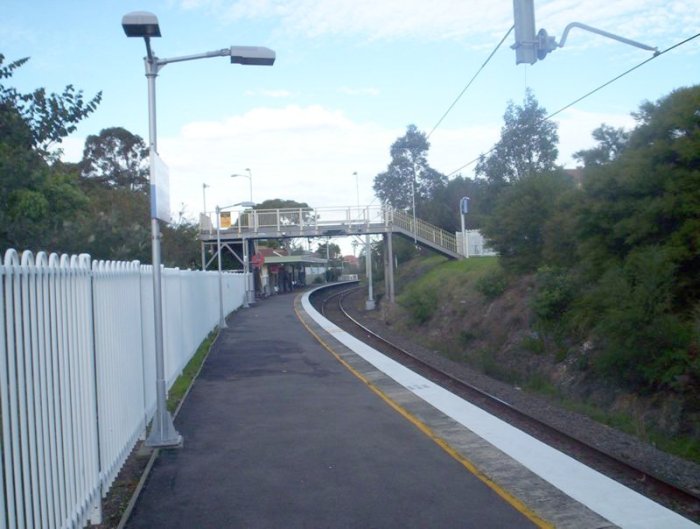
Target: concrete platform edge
{"points": [[535, 498]]}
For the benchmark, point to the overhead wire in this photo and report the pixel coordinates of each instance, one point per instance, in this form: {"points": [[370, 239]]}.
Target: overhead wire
{"points": [[587, 94], [470, 82]]}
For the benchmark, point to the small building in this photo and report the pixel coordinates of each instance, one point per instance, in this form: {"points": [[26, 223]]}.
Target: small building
{"points": [[476, 244], [280, 272]]}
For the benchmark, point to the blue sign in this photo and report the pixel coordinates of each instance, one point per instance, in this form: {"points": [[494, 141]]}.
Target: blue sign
{"points": [[464, 205]]}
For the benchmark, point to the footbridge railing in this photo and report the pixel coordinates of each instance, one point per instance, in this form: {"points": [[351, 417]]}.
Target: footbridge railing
{"points": [[332, 221], [423, 231]]}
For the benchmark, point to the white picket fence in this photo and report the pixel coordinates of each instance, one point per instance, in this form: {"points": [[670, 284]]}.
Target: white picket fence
{"points": [[77, 374]]}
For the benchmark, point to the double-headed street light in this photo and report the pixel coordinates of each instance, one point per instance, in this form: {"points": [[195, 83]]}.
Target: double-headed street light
{"points": [[145, 24], [249, 176]]}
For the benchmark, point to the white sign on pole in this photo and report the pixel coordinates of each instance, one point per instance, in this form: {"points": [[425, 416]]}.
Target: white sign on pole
{"points": [[160, 189]]}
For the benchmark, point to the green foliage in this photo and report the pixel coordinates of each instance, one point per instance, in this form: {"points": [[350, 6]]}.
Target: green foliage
{"points": [[528, 145], [116, 158], [330, 250], [180, 245], [493, 283], [443, 208], [466, 337], [279, 203], [556, 290], [421, 303], [39, 197], [650, 194], [611, 142], [409, 174], [645, 344], [523, 210], [186, 379], [533, 343], [50, 117]]}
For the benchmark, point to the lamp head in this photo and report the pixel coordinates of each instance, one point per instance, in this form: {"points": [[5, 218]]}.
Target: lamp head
{"points": [[140, 24], [252, 55]]}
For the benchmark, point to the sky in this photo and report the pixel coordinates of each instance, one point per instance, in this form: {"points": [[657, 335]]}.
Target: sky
{"points": [[350, 76]]}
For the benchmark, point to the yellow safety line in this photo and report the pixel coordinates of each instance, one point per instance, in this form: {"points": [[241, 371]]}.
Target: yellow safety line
{"points": [[515, 502]]}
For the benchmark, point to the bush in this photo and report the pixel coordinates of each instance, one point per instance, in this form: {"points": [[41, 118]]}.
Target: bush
{"points": [[492, 284], [556, 290], [646, 346], [421, 303]]}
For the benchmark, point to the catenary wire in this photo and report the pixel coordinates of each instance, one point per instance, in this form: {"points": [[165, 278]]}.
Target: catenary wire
{"points": [[562, 109], [470, 82]]}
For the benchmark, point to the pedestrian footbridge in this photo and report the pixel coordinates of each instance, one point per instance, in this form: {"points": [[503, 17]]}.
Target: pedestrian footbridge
{"points": [[252, 224]]}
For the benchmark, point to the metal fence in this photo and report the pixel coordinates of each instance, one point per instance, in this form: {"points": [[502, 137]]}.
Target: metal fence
{"points": [[423, 230], [77, 374]]}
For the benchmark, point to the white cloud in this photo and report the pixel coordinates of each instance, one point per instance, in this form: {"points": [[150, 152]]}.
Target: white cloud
{"points": [[301, 153], [645, 20]]}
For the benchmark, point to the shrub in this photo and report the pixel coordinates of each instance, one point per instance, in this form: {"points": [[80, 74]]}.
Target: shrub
{"points": [[645, 344], [492, 284], [555, 292], [421, 303]]}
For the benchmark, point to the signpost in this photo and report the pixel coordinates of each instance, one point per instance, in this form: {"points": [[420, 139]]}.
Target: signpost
{"points": [[464, 209]]}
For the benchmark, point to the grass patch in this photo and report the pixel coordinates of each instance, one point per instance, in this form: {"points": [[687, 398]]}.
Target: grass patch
{"points": [[183, 382], [680, 445], [540, 384], [488, 365], [683, 446], [420, 295], [533, 344]]}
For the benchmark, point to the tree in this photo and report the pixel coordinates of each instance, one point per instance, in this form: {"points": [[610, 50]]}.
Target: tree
{"points": [[330, 250], [636, 251], [50, 117], [528, 145], [611, 142], [408, 173], [39, 197], [181, 244], [517, 227], [116, 158], [443, 209], [116, 225], [649, 194], [279, 203]]}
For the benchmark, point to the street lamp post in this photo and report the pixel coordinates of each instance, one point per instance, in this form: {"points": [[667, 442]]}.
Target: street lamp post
{"points": [[357, 189], [204, 198], [249, 295], [249, 176], [222, 318], [145, 25], [369, 304]]}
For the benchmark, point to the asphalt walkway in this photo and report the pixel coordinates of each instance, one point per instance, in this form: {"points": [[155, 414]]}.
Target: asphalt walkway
{"points": [[279, 434]]}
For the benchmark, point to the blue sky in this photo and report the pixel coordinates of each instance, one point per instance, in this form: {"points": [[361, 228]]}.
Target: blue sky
{"points": [[350, 76]]}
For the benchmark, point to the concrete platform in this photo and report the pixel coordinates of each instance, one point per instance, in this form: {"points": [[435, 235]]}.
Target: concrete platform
{"points": [[295, 423], [279, 434]]}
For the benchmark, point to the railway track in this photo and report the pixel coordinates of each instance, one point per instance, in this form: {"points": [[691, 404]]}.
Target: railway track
{"points": [[630, 473]]}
